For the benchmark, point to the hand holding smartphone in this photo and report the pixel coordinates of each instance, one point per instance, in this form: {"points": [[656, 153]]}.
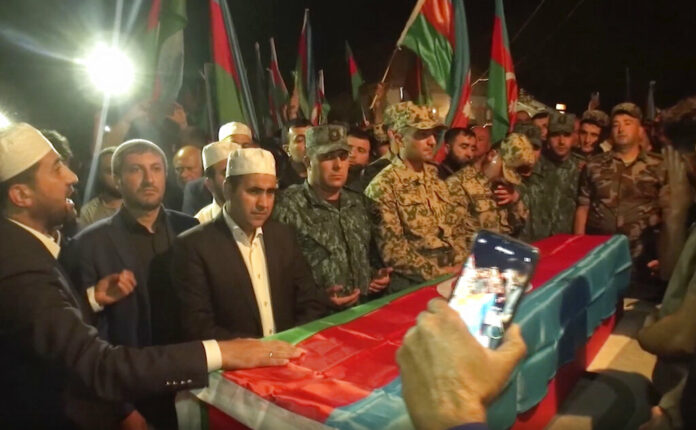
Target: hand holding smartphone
{"points": [[491, 284]]}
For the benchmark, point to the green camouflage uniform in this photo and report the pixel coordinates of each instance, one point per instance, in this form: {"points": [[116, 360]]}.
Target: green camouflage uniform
{"points": [[334, 240], [414, 215], [623, 199], [472, 192], [551, 196]]}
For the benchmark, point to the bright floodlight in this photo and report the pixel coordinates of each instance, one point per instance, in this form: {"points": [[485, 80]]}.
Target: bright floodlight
{"points": [[4, 121], [109, 70]]}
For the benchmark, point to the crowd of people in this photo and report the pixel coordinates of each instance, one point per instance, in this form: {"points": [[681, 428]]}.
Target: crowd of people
{"points": [[190, 250]]}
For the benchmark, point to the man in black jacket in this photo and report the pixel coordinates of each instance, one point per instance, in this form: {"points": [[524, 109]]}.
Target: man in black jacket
{"points": [[44, 340], [241, 275]]}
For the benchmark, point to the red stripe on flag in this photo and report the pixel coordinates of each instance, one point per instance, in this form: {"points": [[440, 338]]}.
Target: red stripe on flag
{"points": [[345, 363], [352, 67], [500, 53], [222, 54], [153, 15], [439, 14]]}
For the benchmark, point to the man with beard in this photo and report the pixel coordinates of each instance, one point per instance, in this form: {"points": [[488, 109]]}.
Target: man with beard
{"points": [[332, 222], [415, 218], [49, 353], [215, 165], [551, 195], [108, 198], [461, 149], [358, 158], [138, 238], [488, 194], [294, 170], [620, 190], [483, 142]]}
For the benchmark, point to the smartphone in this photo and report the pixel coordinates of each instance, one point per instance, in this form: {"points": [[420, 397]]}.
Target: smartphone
{"points": [[494, 278]]}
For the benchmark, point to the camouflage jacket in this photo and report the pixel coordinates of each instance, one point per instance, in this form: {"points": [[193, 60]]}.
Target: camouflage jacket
{"points": [[335, 241], [473, 196], [623, 199], [415, 221], [551, 195]]}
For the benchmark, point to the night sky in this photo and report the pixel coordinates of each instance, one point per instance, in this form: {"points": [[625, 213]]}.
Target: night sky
{"points": [[568, 50]]}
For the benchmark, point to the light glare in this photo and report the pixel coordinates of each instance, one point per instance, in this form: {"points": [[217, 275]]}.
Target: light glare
{"points": [[110, 70], [4, 121]]}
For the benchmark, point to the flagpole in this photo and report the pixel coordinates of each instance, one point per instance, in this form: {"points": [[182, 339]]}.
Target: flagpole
{"points": [[386, 73], [207, 73]]}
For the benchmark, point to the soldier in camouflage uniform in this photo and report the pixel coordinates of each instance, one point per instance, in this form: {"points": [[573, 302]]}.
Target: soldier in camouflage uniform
{"points": [[551, 193], [332, 223], [619, 190], [473, 191], [415, 218]]}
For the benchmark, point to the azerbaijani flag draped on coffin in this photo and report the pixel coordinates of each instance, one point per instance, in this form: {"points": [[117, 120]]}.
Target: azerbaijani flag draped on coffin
{"points": [[348, 378], [305, 83], [234, 101], [502, 84]]}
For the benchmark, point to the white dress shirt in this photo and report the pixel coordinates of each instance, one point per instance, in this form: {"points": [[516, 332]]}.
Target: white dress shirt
{"points": [[208, 213], [213, 355], [254, 255]]}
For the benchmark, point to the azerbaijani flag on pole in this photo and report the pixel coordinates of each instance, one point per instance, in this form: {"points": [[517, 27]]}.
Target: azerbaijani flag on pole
{"points": [[437, 33], [321, 108], [305, 84], [502, 84], [275, 110], [165, 32], [234, 102], [277, 91], [260, 96], [356, 79]]}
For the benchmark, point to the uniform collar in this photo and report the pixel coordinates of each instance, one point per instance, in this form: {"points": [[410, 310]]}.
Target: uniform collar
{"points": [[315, 200], [49, 242]]}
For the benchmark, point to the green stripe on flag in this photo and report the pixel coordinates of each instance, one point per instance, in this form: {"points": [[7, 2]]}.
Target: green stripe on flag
{"points": [[229, 100], [298, 334], [497, 101], [433, 48]]}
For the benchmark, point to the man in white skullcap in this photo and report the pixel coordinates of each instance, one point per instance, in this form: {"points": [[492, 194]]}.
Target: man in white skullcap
{"points": [[243, 275], [238, 133], [47, 346], [215, 165]]}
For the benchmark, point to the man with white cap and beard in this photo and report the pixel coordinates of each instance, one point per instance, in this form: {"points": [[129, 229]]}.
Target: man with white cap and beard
{"points": [[215, 165], [241, 275], [46, 344], [196, 193]]}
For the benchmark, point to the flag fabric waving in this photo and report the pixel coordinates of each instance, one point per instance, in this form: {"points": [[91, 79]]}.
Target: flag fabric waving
{"points": [[277, 91], [260, 96], [305, 83], [165, 33], [502, 84], [321, 108], [356, 79], [234, 102]]}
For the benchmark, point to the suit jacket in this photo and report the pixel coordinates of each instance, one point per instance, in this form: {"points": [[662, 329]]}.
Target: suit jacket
{"points": [[45, 344], [196, 196], [146, 315], [217, 297]]}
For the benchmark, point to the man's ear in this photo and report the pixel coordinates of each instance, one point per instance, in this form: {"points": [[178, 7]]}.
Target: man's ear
{"points": [[209, 185], [305, 160], [286, 148], [21, 195]]}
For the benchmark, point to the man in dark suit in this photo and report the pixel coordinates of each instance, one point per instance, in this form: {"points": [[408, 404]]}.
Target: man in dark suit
{"points": [[138, 238], [45, 343], [241, 275], [196, 196]]}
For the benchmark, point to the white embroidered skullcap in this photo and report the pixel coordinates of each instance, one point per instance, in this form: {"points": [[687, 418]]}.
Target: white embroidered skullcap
{"points": [[21, 146], [250, 160]]}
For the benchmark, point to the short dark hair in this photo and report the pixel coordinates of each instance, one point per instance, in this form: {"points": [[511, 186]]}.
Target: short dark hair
{"points": [[358, 133], [679, 124], [60, 143], [540, 115], [453, 133], [27, 177]]}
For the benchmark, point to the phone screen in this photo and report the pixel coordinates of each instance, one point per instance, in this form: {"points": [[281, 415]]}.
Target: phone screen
{"points": [[493, 280]]}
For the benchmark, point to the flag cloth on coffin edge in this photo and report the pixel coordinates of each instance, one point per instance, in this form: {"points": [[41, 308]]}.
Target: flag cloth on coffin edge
{"points": [[234, 101], [502, 84], [305, 83]]}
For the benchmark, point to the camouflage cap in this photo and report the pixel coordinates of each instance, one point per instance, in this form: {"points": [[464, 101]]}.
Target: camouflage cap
{"points": [[532, 131], [596, 117], [516, 152], [408, 114], [562, 123], [323, 139], [628, 109]]}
